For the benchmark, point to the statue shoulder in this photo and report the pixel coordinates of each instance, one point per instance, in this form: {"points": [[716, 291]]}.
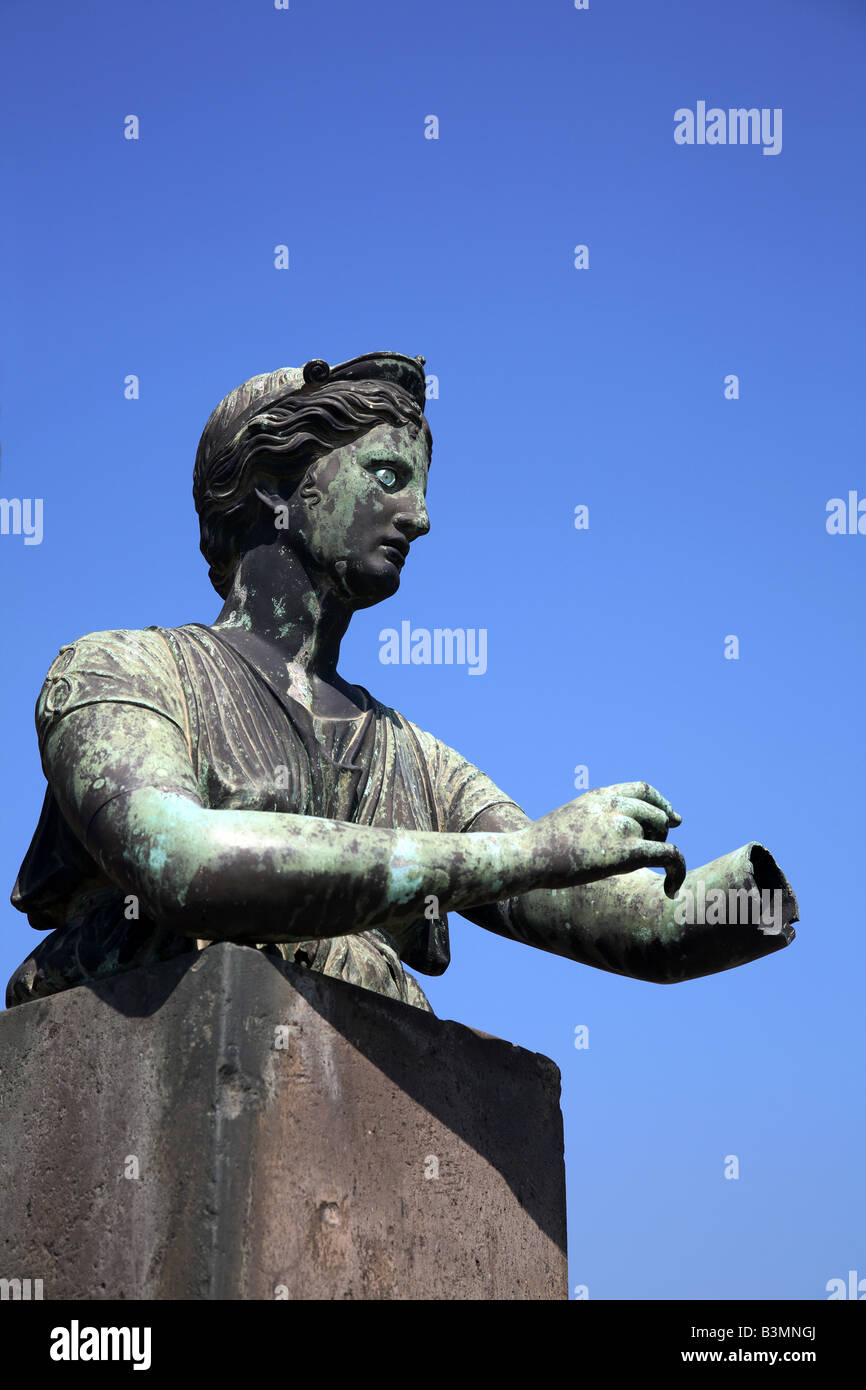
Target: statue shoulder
{"points": [[129, 665], [462, 791], [118, 643], [426, 744]]}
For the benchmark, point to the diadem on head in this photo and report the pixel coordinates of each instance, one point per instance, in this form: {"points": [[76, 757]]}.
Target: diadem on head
{"points": [[262, 392]]}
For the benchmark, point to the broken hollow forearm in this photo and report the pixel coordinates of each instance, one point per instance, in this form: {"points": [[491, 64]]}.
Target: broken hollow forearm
{"points": [[270, 876], [735, 909]]}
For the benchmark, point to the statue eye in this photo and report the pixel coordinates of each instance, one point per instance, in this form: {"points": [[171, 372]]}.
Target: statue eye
{"points": [[387, 477]]}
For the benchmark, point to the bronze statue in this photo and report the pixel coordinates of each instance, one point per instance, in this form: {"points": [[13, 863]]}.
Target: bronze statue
{"points": [[224, 782]]}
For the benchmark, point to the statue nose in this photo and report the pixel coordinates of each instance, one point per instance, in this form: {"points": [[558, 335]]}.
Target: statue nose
{"points": [[413, 524]]}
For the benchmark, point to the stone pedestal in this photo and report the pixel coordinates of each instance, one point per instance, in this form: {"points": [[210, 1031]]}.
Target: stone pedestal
{"points": [[226, 1127]]}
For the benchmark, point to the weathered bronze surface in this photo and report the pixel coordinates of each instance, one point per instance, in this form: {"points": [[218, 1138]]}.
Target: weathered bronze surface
{"points": [[223, 782]]}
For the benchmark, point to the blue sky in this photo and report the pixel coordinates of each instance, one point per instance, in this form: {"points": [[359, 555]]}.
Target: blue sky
{"points": [[557, 387]]}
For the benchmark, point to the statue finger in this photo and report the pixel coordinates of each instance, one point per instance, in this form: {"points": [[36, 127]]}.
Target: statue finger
{"points": [[642, 791], [651, 855], [655, 822]]}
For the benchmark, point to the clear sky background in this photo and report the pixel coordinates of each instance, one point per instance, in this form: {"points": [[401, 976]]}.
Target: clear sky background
{"points": [[557, 387]]}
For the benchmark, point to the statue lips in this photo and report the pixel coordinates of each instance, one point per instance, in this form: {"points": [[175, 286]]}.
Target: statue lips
{"points": [[396, 549]]}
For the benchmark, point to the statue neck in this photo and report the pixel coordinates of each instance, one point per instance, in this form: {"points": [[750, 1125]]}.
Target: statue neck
{"points": [[273, 596]]}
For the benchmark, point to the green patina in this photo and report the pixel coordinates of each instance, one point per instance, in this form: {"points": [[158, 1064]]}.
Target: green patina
{"points": [[303, 817]]}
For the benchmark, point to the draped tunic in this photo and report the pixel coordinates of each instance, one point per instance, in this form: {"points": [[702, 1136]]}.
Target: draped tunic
{"points": [[245, 743]]}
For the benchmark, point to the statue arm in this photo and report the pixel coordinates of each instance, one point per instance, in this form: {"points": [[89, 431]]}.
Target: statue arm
{"points": [[627, 925], [123, 779], [125, 784]]}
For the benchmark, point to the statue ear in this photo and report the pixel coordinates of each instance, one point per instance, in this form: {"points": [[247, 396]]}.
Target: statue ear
{"points": [[275, 509], [276, 503], [270, 500]]}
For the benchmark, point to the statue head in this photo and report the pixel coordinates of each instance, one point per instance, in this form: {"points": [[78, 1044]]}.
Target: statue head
{"points": [[329, 460]]}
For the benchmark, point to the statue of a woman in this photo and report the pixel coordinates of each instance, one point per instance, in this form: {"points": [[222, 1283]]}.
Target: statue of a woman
{"points": [[225, 783]]}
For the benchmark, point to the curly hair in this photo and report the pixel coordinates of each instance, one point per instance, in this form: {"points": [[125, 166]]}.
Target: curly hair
{"points": [[278, 443]]}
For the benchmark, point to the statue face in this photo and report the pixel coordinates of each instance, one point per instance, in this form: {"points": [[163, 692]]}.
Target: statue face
{"points": [[357, 511]]}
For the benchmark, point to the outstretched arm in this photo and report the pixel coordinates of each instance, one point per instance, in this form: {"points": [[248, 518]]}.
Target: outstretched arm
{"points": [[122, 777], [628, 925]]}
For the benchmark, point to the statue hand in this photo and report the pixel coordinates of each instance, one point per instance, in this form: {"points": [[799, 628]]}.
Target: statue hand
{"points": [[610, 830]]}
